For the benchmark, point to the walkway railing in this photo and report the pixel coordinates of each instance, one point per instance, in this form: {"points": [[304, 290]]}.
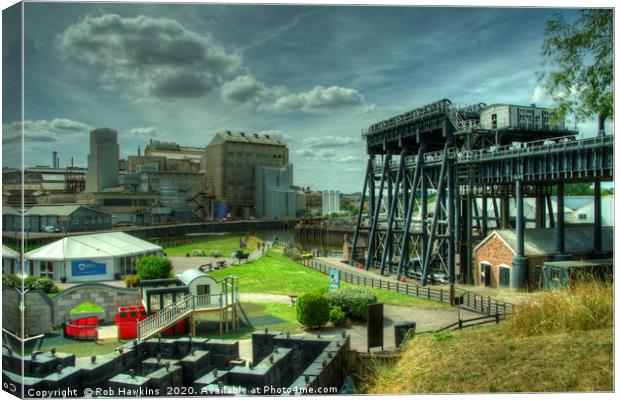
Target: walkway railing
{"points": [[468, 300], [162, 319]]}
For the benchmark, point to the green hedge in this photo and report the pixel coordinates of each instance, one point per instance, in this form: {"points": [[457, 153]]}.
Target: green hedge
{"points": [[337, 316], [154, 267], [132, 281], [353, 301], [31, 282], [11, 280], [312, 310]]}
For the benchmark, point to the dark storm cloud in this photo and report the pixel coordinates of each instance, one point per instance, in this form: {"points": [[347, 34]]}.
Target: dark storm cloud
{"points": [[154, 56]]}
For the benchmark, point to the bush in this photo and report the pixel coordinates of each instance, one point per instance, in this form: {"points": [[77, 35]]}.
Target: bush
{"points": [[337, 316], [132, 281], [29, 281], [45, 284], [11, 280], [312, 310], [353, 301], [154, 267]]}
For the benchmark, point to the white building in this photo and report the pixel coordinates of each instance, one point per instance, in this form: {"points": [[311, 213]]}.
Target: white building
{"points": [[331, 201], [96, 257], [507, 116]]}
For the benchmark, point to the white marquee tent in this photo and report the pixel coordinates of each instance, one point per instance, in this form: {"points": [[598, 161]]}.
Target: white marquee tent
{"points": [[90, 257]]}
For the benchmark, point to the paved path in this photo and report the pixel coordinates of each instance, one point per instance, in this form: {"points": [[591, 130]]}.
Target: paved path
{"points": [[503, 294]]}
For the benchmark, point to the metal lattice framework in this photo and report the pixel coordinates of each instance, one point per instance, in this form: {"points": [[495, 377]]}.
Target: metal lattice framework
{"points": [[438, 152]]}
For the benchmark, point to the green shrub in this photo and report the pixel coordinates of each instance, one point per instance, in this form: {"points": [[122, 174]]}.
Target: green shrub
{"points": [[29, 281], [154, 267], [337, 316], [353, 301], [132, 281], [11, 280], [312, 310], [45, 284]]}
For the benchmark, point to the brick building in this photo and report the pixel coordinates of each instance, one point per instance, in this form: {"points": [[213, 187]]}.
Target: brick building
{"points": [[493, 256]]}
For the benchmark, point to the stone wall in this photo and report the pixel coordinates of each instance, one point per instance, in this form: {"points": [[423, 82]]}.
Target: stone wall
{"points": [[106, 296], [11, 317], [38, 313]]}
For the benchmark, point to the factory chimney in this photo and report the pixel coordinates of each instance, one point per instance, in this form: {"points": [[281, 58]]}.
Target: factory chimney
{"points": [[54, 159]]}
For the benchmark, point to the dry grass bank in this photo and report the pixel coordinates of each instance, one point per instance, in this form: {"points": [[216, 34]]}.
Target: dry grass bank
{"points": [[556, 342]]}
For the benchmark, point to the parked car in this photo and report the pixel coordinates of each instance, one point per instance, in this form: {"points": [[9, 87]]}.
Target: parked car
{"points": [[52, 229]]}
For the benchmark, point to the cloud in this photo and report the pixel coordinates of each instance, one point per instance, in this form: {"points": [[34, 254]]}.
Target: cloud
{"points": [[278, 135], [150, 132], [321, 99], [154, 56], [247, 90], [349, 160], [330, 141], [541, 97], [43, 131]]}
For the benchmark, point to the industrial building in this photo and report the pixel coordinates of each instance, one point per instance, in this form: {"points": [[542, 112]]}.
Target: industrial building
{"points": [[177, 157], [493, 256], [41, 182], [103, 160], [331, 202], [275, 196], [11, 219], [507, 116], [230, 176], [96, 257], [125, 207], [65, 217]]}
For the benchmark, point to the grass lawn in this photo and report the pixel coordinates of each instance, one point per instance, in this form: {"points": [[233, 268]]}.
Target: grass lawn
{"points": [[274, 316], [79, 348], [276, 274], [87, 307], [224, 246]]}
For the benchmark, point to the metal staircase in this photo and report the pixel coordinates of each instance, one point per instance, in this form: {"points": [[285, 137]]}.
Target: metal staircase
{"points": [[182, 308]]}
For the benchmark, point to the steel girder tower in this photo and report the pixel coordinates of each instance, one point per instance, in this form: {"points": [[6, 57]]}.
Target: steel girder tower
{"points": [[438, 152]]}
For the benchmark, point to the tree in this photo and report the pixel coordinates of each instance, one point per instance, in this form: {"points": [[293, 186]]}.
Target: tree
{"points": [[581, 57], [154, 267]]}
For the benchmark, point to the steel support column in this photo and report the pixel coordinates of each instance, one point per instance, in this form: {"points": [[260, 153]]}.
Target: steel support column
{"points": [[361, 211], [467, 259], [440, 190], [404, 255], [559, 226], [393, 203], [518, 276], [451, 231], [598, 226], [505, 212], [485, 213], [373, 229]]}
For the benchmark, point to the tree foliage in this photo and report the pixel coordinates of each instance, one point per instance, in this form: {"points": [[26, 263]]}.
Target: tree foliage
{"points": [[580, 57], [154, 267]]}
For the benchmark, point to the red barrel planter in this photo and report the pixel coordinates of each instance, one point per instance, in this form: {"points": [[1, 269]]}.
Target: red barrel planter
{"points": [[82, 329]]}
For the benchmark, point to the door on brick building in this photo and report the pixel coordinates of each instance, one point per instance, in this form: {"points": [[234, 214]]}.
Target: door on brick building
{"points": [[485, 274], [504, 276]]}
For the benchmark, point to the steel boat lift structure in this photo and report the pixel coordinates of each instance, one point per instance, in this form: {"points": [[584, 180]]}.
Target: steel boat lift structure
{"points": [[440, 150]]}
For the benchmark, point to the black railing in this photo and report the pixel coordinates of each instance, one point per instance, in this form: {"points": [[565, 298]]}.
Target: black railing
{"points": [[468, 300]]}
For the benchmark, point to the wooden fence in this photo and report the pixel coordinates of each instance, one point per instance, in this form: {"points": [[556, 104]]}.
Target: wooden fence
{"points": [[468, 300]]}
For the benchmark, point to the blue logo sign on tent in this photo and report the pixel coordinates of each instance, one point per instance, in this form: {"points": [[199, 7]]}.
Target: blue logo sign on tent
{"points": [[87, 267]]}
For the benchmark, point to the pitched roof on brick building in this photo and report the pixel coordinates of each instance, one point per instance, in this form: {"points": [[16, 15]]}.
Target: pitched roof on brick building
{"points": [[541, 241]]}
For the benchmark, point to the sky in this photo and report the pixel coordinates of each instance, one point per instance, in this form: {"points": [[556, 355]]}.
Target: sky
{"points": [[313, 76]]}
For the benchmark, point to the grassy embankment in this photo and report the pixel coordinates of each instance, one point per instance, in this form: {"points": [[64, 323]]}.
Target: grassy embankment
{"points": [[276, 274], [224, 246], [558, 341]]}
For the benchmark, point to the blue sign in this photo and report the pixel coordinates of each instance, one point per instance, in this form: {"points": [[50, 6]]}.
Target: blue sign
{"points": [[87, 267], [334, 279]]}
